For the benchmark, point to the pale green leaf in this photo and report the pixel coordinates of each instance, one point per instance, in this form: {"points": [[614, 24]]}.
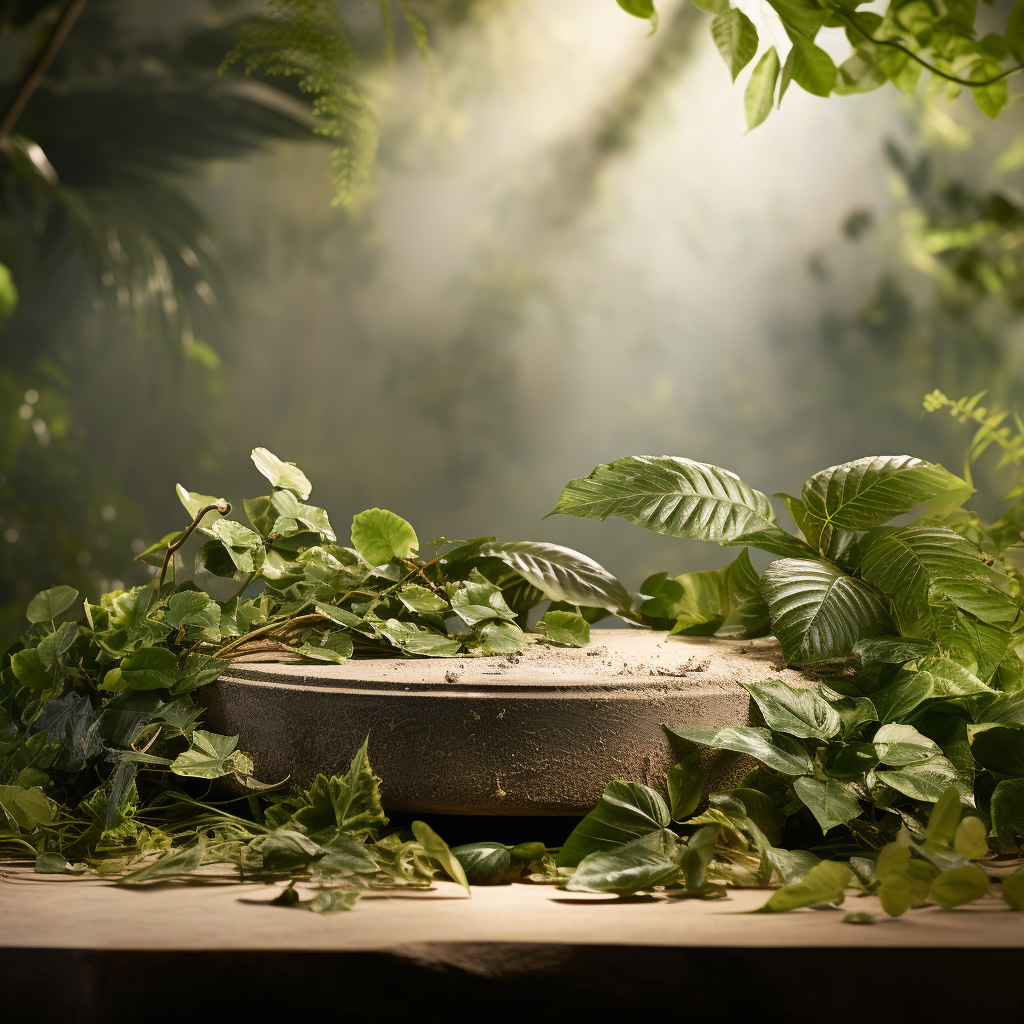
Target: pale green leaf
{"points": [[379, 536]]}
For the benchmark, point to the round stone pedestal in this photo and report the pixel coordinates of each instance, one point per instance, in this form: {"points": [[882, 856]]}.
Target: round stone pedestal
{"points": [[539, 733]]}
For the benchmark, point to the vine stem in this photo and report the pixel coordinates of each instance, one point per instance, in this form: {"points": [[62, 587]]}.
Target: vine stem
{"points": [[223, 507], [41, 66], [934, 70]]}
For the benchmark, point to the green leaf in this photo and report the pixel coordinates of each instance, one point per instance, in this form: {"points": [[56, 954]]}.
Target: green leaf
{"points": [[640, 9], [487, 863], [775, 752], [697, 856], [194, 501], [379, 536], [971, 839], [293, 517], [151, 668], [637, 865], [1013, 890], [897, 700], [1007, 811], [760, 92], [685, 786], [736, 38], [801, 17], [672, 496], [1000, 750], [626, 811], [30, 671], [958, 886], [903, 883], [49, 604], [349, 803], [993, 97], [985, 602], [945, 817], [902, 745], [799, 712], [421, 600], [562, 574], [869, 492], [437, 850], [478, 600], [892, 650], [417, 640], [1014, 33], [211, 756], [501, 638], [904, 562], [810, 67], [711, 6], [243, 546], [566, 628], [335, 647], [826, 882], [179, 863], [194, 608], [818, 611], [927, 781], [282, 474], [333, 901], [830, 802]]}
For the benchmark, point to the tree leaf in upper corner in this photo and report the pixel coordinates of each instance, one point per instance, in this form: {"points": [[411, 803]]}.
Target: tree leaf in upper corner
{"points": [[736, 38], [960, 885], [826, 882], [626, 811], [562, 574], [760, 92], [811, 67], [830, 802], [379, 535], [437, 850], [566, 628], [903, 562], [628, 869], [640, 9], [781, 753], [50, 604], [285, 475], [799, 712], [869, 492], [818, 611]]}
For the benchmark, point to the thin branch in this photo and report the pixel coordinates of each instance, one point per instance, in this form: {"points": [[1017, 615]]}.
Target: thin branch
{"points": [[894, 44], [223, 507], [41, 66]]}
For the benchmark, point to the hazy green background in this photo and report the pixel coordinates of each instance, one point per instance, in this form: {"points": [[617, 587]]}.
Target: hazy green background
{"points": [[569, 251]]}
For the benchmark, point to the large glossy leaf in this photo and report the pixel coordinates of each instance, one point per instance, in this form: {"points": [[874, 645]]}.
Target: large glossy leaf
{"points": [[379, 535], [799, 712], [927, 781], [1000, 750], [959, 885], [985, 602], [562, 574], [903, 563], [869, 492], [626, 811], [900, 745], [786, 757], [51, 603], [818, 611], [674, 496], [625, 870]]}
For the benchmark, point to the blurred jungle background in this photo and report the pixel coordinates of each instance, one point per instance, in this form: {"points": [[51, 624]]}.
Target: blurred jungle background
{"points": [[567, 249]]}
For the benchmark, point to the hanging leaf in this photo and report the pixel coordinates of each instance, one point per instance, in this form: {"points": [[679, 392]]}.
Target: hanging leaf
{"points": [[736, 38], [760, 93]]}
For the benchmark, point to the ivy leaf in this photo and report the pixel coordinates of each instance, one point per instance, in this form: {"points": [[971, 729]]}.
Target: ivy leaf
{"points": [[419, 599], [285, 475], [562, 574], [437, 850], [477, 600], [902, 745], [760, 93], [736, 38], [335, 647], [29, 670], [637, 865], [194, 608], [415, 639], [211, 756], [818, 611], [775, 752], [626, 811], [243, 546], [960, 885], [971, 840], [797, 712], [290, 509], [349, 803], [990, 98], [903, 883], [379, 535], [830, 802], [152, 668], [50, 604], [826, 882], [869, 492], [566, 628]]}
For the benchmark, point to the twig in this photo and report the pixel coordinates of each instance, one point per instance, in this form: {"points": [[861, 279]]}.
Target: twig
{"points": [[42, 64], [223, 507]]}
